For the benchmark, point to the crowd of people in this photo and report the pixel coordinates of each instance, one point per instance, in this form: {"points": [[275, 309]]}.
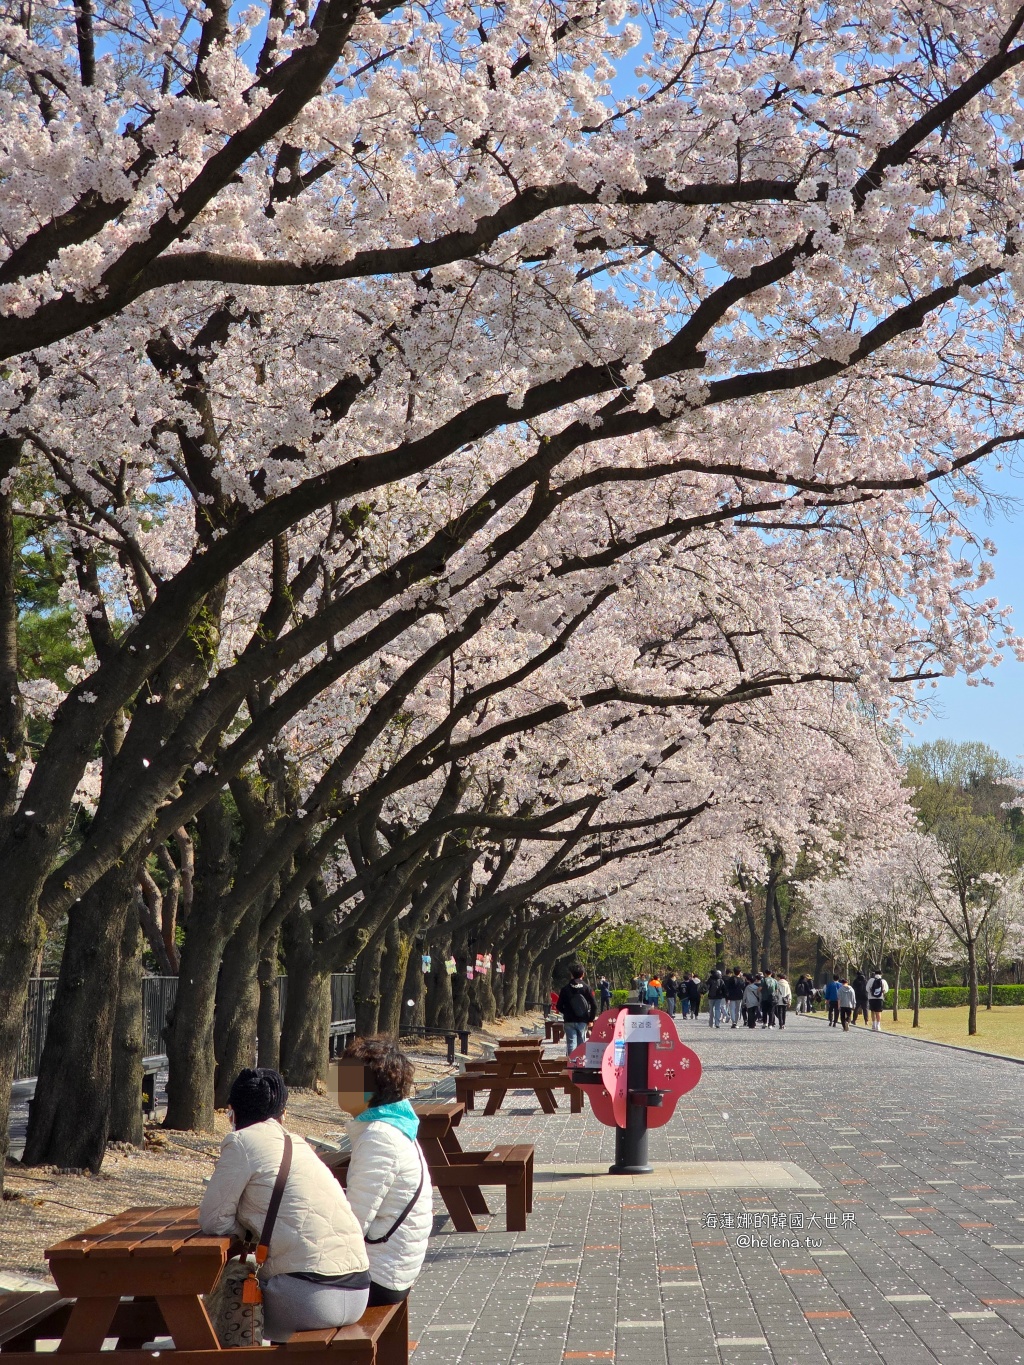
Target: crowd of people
{"points": [[733, 998], [730, 998]]}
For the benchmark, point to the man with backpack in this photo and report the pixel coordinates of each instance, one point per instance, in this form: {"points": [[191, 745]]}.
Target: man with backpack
{"points": [[693, 994], [716, 999], [577, 1006], [878, 988], [734, 985], [768, 1000]]}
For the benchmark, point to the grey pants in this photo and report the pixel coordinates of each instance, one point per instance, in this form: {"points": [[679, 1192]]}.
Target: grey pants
{"points": [[292, 1305]]}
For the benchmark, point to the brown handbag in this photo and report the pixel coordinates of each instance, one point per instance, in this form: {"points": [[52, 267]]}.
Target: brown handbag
{"points": [[235, 1304]]}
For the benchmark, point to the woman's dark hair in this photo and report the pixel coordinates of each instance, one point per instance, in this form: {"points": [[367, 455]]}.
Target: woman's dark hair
{"points": [[390, 1068], [257, 1095]]}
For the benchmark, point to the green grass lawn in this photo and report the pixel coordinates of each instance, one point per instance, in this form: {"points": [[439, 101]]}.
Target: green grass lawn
{"points": [[1000, 1029]]}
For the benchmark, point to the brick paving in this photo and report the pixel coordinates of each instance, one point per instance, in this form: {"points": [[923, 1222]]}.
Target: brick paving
{"points": [[918, 1156]]}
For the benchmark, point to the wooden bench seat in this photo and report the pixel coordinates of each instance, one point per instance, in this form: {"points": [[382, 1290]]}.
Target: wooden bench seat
{"points": [[380, 1337], [27, 1316], [509, 1166]]}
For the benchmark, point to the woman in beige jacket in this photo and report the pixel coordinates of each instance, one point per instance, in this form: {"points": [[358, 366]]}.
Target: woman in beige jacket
{"points": [[317, 1274]]}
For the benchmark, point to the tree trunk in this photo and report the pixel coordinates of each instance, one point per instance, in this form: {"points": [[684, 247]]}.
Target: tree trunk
{"points": [[896, 989], [916, 988], [70, 1115], [268, 1023], [755, 943], [393, 966], [415, 988], [440, 1007], [766, 924], [820, 958], [486, 1003], [237, 1005], [190, 1102], [306, 1034], [305, 1038], [190, 1082], [368, 987], [783, 928], [126, 1087], [972, 983]]}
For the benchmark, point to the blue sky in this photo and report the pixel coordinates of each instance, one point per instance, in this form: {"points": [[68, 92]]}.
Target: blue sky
{"points": [[994, 715]]}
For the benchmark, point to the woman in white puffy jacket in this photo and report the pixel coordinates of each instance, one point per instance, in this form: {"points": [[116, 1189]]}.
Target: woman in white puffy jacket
{"points": [[388, 1181], [317, 1273]]}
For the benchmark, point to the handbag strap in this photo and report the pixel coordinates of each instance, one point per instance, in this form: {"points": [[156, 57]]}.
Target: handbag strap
{"points": [[263, 1249], [377, 1241]]}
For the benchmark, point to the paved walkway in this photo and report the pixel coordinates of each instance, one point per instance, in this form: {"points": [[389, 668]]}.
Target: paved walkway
{"points": [[911, 1188]]}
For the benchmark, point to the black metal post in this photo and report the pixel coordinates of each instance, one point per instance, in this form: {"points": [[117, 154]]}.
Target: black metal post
{"points": [[631, 1141]]}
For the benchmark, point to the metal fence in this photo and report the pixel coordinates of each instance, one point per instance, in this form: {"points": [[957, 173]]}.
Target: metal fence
{"points": [[343, 1001], [158, 994]]}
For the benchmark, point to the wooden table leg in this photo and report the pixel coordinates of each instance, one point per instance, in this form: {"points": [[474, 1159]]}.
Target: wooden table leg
{"points": [[495, 1098], [458, 1207], [439, 1155], [547, 1101], [188, 1323], [516, 1206], [89, 1323], [393, 1342]]}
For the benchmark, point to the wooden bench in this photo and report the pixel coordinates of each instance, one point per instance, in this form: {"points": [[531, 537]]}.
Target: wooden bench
{"points": [[30, 1316], [510, 1166], [141, 1276], [380, 1337]]}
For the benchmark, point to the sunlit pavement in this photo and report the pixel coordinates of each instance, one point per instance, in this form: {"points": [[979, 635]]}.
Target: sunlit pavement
{"points": [[901, 1240]]}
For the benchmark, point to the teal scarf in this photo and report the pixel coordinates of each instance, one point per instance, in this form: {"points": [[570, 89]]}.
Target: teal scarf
{"points": [[400, 1115]]}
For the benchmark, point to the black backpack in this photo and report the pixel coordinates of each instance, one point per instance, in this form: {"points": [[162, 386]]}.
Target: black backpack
{"points": [[875, 991]]}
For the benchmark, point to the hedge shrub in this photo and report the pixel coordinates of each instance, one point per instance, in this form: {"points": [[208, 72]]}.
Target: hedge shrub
{"points": [[620, 998], [944, 997]]}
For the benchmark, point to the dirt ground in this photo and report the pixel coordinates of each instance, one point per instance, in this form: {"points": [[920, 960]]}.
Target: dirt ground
{"points": [[42, 1205]]}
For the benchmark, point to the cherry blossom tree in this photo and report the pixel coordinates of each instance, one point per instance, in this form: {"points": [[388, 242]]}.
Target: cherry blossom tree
{"points": [[323, 331]]}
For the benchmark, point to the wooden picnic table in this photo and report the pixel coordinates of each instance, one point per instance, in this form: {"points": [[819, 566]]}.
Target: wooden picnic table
{"points": [[458, 1174], [520, 1065], [141, 1275]]}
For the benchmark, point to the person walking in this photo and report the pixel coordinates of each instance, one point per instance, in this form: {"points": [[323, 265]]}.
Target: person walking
{"points": [[846, 1000], [803, 990], [768, 985], [734, 984], [605, 987], [860, 990], [693, 994], [684, 999], [641, 989], [878, 989], [716, 999], [831, 994], [671, 993], [577, 1006], [783, 999], [751, 1001]]}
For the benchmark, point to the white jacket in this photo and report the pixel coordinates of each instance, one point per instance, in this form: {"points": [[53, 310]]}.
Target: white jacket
{"points": [[316, 1229], [382, 1177], [783, 993]]}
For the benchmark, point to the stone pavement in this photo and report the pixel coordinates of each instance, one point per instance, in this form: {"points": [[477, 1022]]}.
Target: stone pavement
{"points": [[912, 1165]]}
